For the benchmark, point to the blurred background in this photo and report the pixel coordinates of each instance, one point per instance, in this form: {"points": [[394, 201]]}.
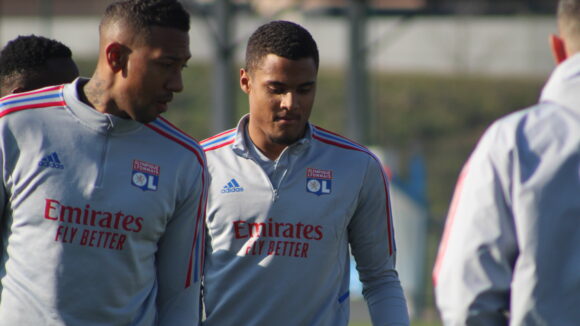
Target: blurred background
{"points": [[417, 81]]}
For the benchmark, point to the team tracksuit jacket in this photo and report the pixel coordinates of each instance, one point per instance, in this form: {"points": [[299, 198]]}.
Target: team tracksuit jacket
{"points": [[279, 254], [510, 253], [101, 216]]}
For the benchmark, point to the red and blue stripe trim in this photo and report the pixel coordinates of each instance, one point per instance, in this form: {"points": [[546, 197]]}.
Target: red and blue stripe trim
{"points": [[43, 98], [196, 256], [165, 128], [220, 140], [168, 130], [334, 139]]}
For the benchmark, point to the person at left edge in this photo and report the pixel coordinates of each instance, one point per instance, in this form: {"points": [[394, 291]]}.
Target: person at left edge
{"points": [[102, 199]]}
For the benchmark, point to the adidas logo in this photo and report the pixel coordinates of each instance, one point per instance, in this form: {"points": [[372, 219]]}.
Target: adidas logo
{"points": [[51, 161], [232, 186]]}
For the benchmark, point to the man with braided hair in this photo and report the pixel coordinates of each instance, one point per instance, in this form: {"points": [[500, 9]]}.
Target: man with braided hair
{"points": [[510, 251], [101, 199], [31, 62]]}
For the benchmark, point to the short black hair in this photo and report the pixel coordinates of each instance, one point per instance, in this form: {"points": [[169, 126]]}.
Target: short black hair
{"points": [[25, 53], [282, 38], [144, 14]]}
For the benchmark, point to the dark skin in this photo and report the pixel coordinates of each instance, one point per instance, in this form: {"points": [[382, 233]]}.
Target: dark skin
{"points": [[281, 94], [136, 76]]}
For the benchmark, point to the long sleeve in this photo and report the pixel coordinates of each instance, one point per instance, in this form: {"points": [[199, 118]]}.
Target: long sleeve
{"points": [[372, 240], [2, 186], [180, 258], [473, 270], [3, 193]]}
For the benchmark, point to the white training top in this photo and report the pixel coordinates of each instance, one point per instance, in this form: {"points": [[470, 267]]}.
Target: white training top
{"points": [[279, 254], [101, 216], [510, 253]]}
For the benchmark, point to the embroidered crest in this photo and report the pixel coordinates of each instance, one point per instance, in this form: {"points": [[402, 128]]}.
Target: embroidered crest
{"points": [[145, 175], [318, 182]]}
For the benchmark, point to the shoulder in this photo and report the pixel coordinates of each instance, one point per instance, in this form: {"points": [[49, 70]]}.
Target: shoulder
{"points": [[332, 141], [221, 140], [543, 131], [541, 122], [183, 142], [346, 152], [48, 97]]}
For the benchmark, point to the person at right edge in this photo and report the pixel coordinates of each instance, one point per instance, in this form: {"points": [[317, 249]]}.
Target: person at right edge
{"points": [[510, 252], [287, 199]]}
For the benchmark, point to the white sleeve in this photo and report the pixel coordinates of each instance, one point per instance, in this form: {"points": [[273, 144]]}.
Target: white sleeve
{"points": [[179, 259], [372, 240], [473, 270]]}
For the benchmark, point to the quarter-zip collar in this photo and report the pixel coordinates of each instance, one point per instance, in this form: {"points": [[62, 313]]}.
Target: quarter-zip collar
{"points": [[242, 149]]}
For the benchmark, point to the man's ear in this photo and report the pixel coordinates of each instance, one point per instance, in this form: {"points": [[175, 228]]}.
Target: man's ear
{"points": [[558, 48], [245, 81], [115, 56]]}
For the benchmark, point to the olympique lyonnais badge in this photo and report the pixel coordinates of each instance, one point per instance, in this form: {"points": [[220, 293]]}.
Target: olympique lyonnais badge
{"points": [[145, 175], [318, 182]]}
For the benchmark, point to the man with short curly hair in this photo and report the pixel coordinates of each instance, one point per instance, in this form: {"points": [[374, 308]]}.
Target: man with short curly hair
{"points": [[31, 62], [288, 201]]}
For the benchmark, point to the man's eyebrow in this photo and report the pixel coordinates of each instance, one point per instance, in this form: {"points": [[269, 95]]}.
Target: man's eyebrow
{"points": [[278, 83], [175, 58], [309, 83], [275, 83]]}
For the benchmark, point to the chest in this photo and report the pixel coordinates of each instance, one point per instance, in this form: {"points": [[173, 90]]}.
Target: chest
{"points": [[306, 214], [84, 183]]}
